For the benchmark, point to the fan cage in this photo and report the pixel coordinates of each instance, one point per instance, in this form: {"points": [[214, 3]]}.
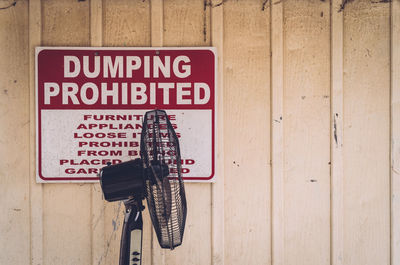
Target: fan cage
{"points": [[165, 196]]}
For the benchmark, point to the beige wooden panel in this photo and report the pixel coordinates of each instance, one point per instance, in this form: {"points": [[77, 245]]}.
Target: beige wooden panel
{"points": [[36, 190], [125, 23], [247, 133], [217, 188], [14, 134], [366, 133], [66, 207], [65, 23], [67, 224], [306, 134], [277, 125], [337, 177], [188, 24]]}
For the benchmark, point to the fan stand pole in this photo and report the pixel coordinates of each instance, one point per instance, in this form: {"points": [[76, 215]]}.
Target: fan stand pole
{"points": [[132, 232]]}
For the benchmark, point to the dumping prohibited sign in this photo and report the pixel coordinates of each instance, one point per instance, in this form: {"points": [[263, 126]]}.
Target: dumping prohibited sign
{"points": [[90, 104]]}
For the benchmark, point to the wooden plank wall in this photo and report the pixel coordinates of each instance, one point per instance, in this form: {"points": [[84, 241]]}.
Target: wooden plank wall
{"points": [[308, 130], [246, 123], [14, 135], [366, 134]]}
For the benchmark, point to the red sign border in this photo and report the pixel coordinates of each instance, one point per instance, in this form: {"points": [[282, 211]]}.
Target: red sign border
{"points": [[41, 179]]}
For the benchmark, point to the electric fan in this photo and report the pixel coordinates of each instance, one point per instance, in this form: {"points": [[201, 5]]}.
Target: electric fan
{"points": [[156, 176]]}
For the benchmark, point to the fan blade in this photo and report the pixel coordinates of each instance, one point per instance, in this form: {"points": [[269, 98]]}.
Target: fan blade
{"points": [[155, 124], [167, 197], [159, 175]]}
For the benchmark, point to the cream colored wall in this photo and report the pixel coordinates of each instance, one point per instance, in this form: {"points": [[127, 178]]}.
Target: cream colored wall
{"points": [[309, 129]]}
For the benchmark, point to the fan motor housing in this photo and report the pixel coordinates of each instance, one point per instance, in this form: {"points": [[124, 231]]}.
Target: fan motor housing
{"points": [[121, 181]]}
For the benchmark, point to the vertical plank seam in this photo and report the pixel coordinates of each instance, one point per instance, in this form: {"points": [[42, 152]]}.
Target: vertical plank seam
{"points": [[35, 190], [96, 39], [336, 141], [157, 29], [390, 132], [395, 133], [217, 188], [277, 124]]}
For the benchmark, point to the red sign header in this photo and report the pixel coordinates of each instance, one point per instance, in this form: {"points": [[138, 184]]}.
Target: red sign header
{"points": [[139, 79]]}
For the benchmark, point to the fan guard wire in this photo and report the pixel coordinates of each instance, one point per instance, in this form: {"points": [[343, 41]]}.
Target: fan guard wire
{"points": [[166, 196]]}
